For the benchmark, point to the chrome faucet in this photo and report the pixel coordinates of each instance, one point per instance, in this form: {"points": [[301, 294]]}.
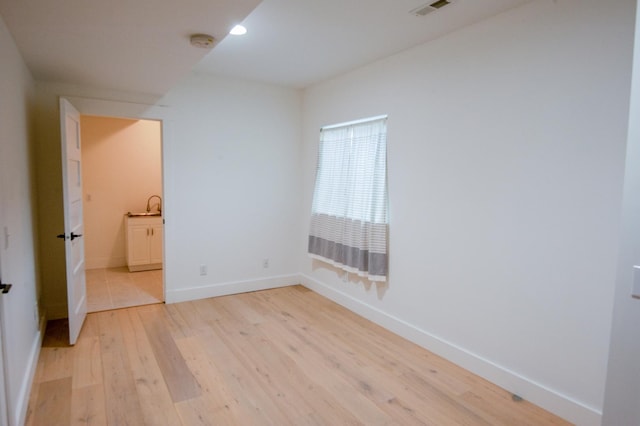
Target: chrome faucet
{"points": [[159, 203]]}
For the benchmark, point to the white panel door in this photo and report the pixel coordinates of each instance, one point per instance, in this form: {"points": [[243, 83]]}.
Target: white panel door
{"points": [[73, 224]]}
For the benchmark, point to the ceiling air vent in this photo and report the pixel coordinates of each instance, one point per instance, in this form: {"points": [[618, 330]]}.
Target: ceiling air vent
{"points": [[428, 8]]}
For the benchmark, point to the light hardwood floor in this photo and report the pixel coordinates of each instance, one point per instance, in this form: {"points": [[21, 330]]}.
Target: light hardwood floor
{"points": [[279, 357], [115, 288]]}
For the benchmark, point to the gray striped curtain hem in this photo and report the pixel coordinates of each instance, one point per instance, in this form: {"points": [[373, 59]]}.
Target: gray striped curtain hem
{"points": [[362, 262]]}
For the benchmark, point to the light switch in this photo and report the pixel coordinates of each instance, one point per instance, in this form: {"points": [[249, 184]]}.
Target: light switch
{"points": [[635, 291]]}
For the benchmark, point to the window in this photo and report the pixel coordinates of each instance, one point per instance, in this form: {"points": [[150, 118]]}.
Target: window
{"points": [[349, 214]]}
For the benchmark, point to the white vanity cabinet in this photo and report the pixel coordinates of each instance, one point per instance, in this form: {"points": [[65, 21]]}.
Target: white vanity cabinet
{"points": [[144, 242]]}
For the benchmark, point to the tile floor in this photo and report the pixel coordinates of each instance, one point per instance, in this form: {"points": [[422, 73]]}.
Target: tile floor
{"points": [[114, 288]]}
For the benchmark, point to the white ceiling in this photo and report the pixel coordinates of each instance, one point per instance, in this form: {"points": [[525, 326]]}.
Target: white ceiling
{"points": [[300, 42], [142, 45], [131, 45]]}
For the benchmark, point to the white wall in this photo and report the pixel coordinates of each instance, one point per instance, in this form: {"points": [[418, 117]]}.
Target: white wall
{"points": [[231, 184], [121, 169], [623, 380], [232, 181], [506, 156], [506, 145], [18, 254]]}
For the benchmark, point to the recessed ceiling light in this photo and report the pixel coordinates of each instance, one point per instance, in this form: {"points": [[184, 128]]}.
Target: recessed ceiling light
{"points": [[238, 30]]}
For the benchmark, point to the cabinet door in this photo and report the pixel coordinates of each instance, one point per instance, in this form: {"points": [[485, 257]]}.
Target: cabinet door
{"points": [[155, 244], [138, 240]]}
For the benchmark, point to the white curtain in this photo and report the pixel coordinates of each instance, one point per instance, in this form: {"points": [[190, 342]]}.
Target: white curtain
{"points": [[349, 215]]}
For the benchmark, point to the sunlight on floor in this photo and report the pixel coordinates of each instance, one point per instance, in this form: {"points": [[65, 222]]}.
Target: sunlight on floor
{"points": [[115, 288]]}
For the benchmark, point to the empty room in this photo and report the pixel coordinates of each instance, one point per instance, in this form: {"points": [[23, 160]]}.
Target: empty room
{"points": [[383, 212]]}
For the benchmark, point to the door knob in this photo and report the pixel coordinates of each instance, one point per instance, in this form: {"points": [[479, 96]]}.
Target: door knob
{"points": [[73, 236], [4, 288]]}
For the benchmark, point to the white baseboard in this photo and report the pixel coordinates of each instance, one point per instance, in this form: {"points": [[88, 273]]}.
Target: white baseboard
{"points": [[553, 401], [234, 287], [20, 413]]}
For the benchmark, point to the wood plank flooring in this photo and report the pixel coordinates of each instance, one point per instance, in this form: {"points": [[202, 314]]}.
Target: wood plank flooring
{"points": [[278, 357]]}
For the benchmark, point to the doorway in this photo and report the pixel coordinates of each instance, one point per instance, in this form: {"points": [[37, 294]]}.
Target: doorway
{"points": [[122, 173]]}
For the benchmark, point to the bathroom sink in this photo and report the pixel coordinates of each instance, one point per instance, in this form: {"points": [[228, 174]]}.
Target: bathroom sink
{"points": [[144, 214]]}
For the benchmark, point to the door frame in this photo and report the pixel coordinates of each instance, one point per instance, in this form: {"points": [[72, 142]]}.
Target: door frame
{"points": [[4, 386], [4, 391], [137, 111]]}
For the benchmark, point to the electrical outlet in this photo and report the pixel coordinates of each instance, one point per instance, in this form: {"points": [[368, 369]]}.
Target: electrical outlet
{"points": [[265, 263], [203, 269]]}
